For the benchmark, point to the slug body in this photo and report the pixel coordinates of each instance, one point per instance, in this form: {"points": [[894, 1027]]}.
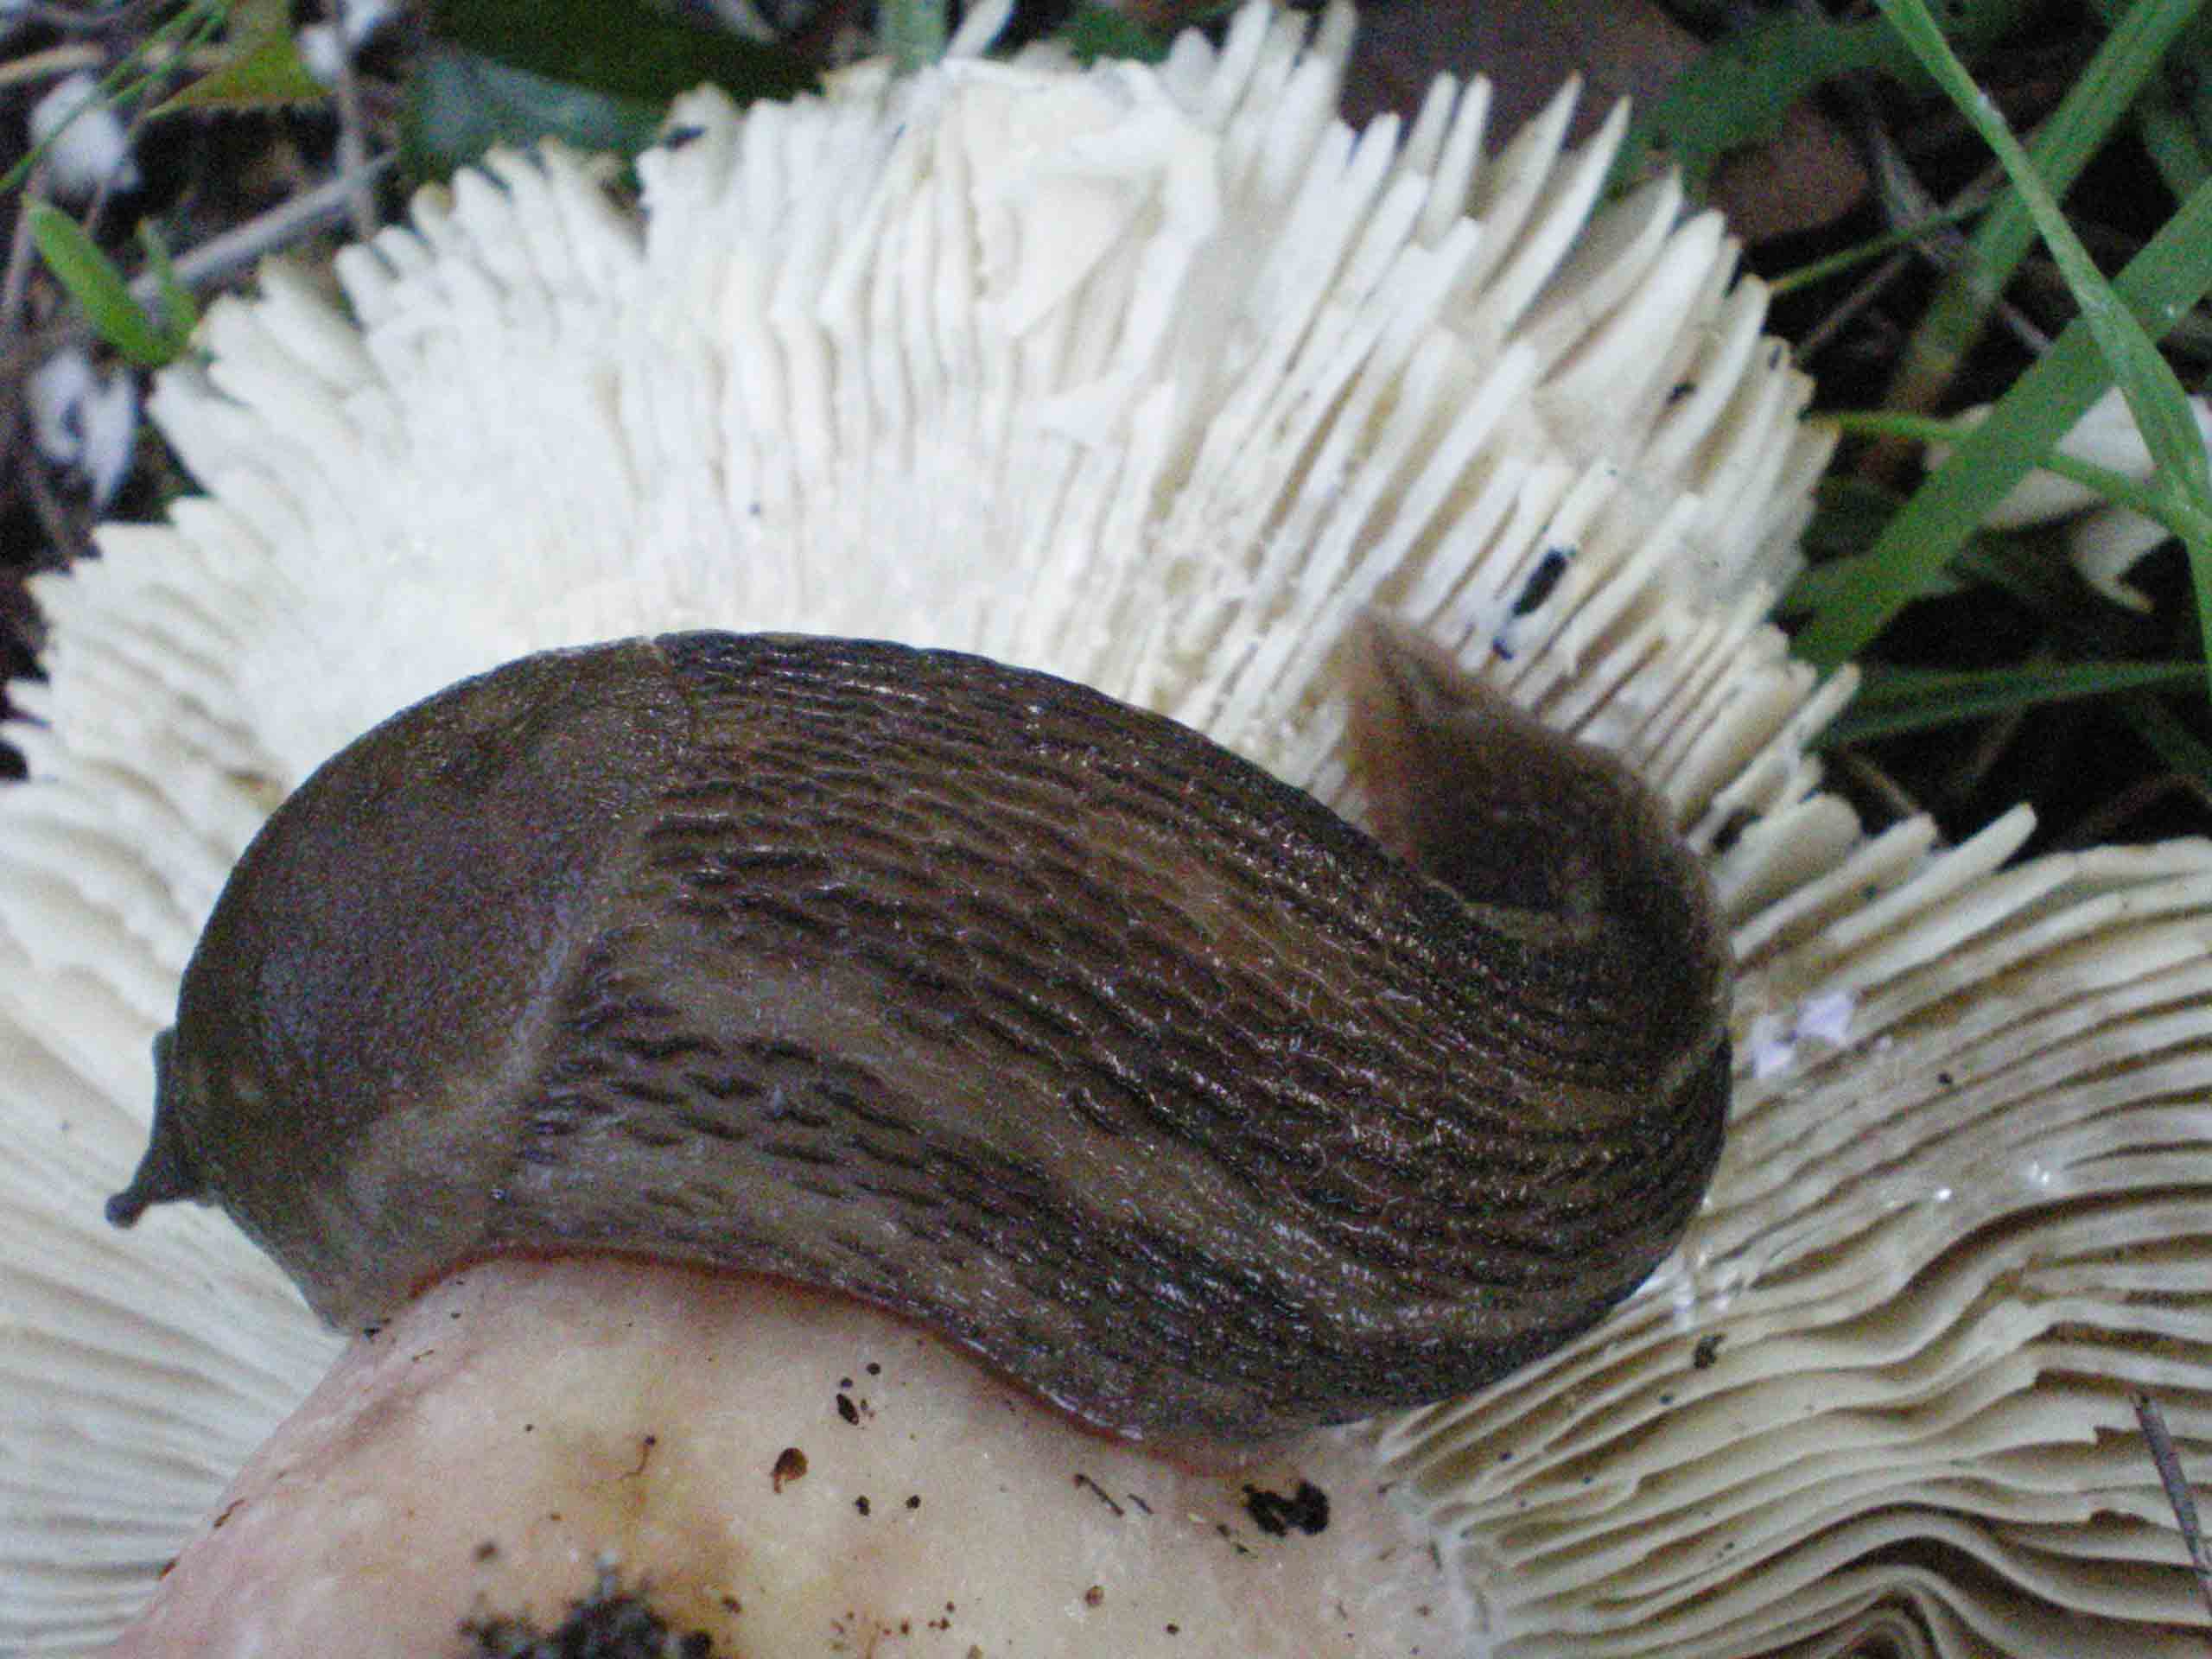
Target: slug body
{"points": [[979, 995]]}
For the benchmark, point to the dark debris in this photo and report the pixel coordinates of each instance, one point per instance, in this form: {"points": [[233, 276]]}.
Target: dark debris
{"points": [[609, 1623]]}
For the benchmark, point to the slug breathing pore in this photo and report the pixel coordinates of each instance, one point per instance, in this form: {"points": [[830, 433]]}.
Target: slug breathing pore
{"points": [[978, 995]]}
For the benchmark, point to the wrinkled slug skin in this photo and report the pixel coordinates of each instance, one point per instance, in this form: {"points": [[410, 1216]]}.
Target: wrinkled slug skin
{"points": [[977, 994]]}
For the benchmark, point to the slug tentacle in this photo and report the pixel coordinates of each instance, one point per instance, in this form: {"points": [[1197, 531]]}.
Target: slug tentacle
{"points": [[975, 994], [166, 1174]]}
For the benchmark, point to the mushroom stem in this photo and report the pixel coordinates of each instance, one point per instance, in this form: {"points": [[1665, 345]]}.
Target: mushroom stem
{"points": [[781, 1471]]}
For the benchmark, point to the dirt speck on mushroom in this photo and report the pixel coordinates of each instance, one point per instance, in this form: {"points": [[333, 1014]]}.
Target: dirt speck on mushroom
{"points": [[606, 1623]]}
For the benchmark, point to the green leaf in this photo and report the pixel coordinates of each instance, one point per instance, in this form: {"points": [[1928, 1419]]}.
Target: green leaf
{"points": [[98, 287], [261, 69], [254, 20], [1738, 93], [1095, 31], [1892, 700], [263, 74], [461, 105], [621, 48]]}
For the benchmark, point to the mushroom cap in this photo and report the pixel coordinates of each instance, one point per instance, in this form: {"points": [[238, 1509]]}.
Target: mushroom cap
{"points": [[1154, 378], [86, 146], [775, 1472]]}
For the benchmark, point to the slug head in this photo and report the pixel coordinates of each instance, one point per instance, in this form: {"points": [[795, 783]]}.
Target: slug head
{"points": [[374, 973]]}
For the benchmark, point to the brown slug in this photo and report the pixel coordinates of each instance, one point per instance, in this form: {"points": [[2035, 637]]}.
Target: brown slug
{"points": [[976, 994]]}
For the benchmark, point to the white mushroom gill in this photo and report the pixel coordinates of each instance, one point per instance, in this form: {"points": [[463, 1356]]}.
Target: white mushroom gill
{"points": [[1154, 379]]}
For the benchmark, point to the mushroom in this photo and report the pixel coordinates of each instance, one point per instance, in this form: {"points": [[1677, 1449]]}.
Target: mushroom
{"points": [[1156, 380], [2104, 541], [84, 420], [85, 145], [765, 1469]]}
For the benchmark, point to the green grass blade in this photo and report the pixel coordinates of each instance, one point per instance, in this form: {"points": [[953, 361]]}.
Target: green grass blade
{"points": [[267, 73], [2154, 391], [1892, 700], [2171, 274], [2148, 499], [1819, 270], [2182, 750], [2162, 118], [174, 41], [180, 312], [2085, 118]]}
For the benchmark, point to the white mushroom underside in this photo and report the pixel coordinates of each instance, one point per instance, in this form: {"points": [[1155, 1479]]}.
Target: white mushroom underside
{"points": [[1153, 380]]}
